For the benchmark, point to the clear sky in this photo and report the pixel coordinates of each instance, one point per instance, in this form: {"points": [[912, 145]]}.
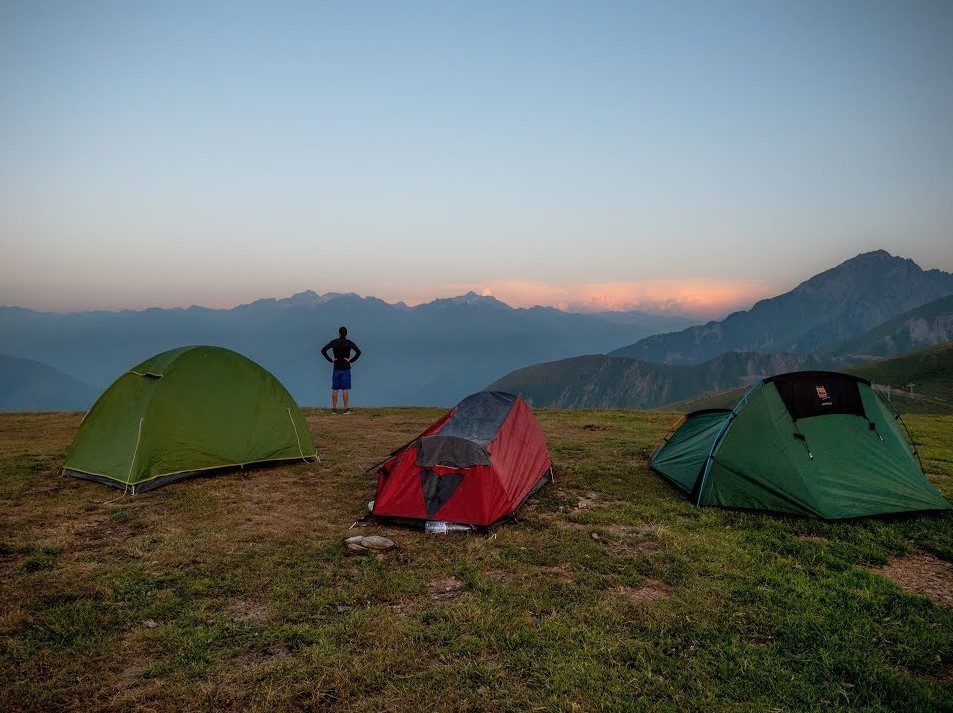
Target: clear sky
{"points": [[678, 155]]}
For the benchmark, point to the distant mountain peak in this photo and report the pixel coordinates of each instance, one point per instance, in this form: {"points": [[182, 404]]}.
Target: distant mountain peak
{"points": [[880, 254], [876, 258], [470, 299], [868, 271], [311, 297], [303, 298], [308, 298], [830, 307]]}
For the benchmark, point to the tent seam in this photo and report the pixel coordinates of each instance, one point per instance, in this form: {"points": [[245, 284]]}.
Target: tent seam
{"points": [[719, 436]]}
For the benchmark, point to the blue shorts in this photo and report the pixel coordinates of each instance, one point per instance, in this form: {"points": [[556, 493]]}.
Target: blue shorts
{"points": [[341, 379]]}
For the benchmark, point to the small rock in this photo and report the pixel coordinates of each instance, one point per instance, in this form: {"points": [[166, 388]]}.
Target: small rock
{"points": [[376, 542], [150, 623], [360, 544]]}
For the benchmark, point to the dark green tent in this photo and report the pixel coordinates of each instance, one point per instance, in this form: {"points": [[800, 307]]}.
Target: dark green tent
{"points": [[185, 412], [812, 443]]}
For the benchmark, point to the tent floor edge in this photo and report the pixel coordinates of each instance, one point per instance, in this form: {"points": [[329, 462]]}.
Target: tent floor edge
{"points": [[161, 480]]}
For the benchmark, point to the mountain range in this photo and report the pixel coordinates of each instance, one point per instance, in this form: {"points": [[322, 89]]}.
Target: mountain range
{"points": [[831, 307], [824, 323], [431, 354], [873, 305]]}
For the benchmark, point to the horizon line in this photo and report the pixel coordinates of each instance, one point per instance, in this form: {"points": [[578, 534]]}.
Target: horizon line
{"points": [[670, 309]]}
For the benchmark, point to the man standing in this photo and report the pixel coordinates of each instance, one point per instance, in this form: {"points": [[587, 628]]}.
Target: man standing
{"points": [[341, 376]]}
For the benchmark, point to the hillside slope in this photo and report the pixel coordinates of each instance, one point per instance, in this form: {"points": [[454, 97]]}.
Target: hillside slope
{"points": [[833, 306], [28, 385], [926, 326], [919, 382], [617, 382]]}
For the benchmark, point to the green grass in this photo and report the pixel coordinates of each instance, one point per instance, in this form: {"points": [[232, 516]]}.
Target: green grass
{"points": [[611, 592]]}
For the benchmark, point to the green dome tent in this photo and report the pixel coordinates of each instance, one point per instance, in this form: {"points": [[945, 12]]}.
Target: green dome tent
{"points": [[814, 443], [186, 412]]}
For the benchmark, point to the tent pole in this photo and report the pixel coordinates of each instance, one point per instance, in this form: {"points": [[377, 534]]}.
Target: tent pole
{"points": [[718, 437]]}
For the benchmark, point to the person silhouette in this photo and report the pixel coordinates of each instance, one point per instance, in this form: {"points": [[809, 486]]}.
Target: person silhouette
{"points": [[341, 375]]}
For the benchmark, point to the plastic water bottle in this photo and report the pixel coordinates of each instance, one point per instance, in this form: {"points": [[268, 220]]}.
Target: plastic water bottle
{"points": [[435, 527], [439, 527], [457, 527]]}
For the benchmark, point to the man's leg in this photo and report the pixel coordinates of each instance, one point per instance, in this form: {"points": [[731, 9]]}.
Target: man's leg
{"points": [[336, 385], [346, 389]]}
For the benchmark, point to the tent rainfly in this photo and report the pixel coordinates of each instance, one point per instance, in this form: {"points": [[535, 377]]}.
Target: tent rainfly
{"points": [[814, 443], [186, 412], [475, 466]]}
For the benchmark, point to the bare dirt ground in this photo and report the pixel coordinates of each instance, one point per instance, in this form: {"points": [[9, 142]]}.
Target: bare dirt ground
{"points": [[651, 590], [922, 574]]}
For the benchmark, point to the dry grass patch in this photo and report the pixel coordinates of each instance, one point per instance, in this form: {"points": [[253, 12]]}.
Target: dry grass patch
{"points": [[561, 573], [10, 561], [247, 611], [405, 607], [13, 617], [651, 590], [578, 501], [38, 433], [921, 574], [634, 540], [446, 589]]}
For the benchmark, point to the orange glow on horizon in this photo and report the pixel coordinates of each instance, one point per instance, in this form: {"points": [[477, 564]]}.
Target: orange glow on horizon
{"points": [[707, 299], [697, 299]]}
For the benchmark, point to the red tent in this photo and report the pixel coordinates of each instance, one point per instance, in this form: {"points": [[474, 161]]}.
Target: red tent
{"points": [[475, 466]]}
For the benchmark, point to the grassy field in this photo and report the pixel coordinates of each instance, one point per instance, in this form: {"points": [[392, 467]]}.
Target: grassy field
{"points": [[610, 593]]}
